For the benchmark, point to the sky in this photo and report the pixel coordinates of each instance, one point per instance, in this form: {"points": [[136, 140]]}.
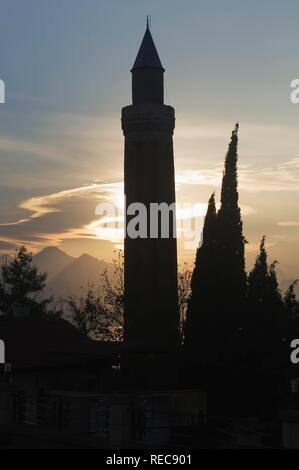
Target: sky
{"points": [[66, 66]]}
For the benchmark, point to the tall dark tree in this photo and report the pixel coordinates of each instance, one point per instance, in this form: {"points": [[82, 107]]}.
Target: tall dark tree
{"points": [[266, 329], [291, 303], [205, 256], [258, 280], [264, 297], [291, 307], [22, 285], [231, 243], [219, 277], [200, 315], [219, 289]]}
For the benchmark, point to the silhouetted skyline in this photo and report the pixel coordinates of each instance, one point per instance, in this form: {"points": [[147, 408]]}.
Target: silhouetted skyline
{"points": [[60, 124]]}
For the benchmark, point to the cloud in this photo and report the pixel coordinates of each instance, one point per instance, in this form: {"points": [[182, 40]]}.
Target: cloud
{"points": [[288, 224], [283, 176], [70, 214], [59, 216], [37, 150], [55, 150], [42, 205], [210, 177], [7, 246], [87, 148]]}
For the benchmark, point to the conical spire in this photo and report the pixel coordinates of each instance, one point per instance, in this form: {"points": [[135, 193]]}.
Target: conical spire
{"points": [[147, 56], [148, 73]]}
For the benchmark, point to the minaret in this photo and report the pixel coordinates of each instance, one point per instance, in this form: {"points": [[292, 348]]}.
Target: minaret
{"points": [[151, 303]]}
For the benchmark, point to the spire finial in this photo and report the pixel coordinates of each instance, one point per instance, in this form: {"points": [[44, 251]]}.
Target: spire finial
{"points": [[236, 129], [148, 56]]}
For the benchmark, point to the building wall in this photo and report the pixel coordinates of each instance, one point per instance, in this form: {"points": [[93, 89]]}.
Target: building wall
{"points": [[151, 302]]}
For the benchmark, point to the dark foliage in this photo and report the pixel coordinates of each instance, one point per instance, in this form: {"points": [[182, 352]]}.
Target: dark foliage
{"points": [[217, 302], [22, 285], [237, 327]]}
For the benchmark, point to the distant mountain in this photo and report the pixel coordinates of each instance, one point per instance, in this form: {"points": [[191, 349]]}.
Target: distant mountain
{"points": [[52, 261], [66, 274], [76, 276]]}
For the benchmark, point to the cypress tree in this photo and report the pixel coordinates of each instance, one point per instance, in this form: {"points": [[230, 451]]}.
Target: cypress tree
{"points": [[257, 279], [264, 297], [199, 315], [203, 270], [219, 278], [231, 243], [267, 354], [218, 291], [291, 309], [290, 301]]}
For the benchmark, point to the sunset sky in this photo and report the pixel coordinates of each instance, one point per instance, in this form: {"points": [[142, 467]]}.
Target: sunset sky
{"points": [[66, 65]]}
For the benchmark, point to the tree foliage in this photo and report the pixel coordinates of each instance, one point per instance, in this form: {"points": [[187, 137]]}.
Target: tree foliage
{"points": [[90, 315], [264, 297], [231, 274], [113, 287], [184, 292], [98, 313], [290, 300], [219, 277], [22, 285], [200, 306]]}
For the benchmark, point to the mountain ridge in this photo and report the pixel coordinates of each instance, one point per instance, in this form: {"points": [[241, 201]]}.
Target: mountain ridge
{"points": [[69, 275]]}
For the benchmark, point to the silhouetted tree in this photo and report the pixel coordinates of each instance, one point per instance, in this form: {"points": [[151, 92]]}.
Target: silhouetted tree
{"points": [[22, 285], [113, 288], [231, 275], [215, 315], [201, 313], [113, 291], [184, 293], [90, 315], [266, 330], [291, 307], [99, 312], [216, 308], [264, 297], [290, 300], [258, 277]]}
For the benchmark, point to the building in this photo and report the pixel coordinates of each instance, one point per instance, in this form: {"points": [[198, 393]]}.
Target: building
{"points": [[54, 385], [59, 389], [151, 303]]}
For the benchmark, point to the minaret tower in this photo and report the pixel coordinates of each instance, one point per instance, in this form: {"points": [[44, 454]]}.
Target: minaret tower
{"points": [[151, 303]]}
